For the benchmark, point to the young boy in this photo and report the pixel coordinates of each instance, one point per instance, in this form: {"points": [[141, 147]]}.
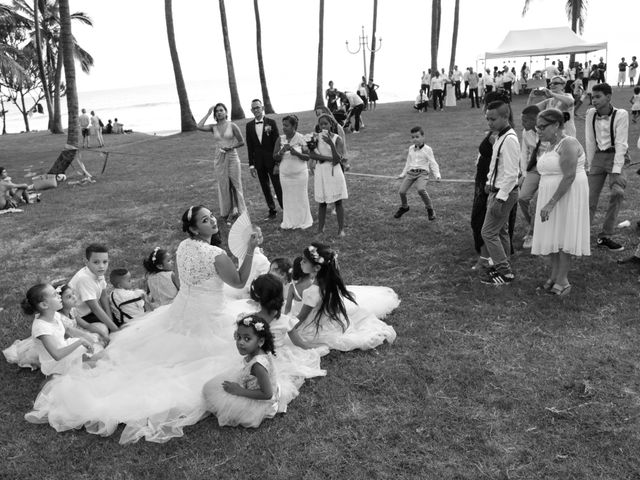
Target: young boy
{"points": [[91, 288], [125, 302], [528, 168], [420, 162]]}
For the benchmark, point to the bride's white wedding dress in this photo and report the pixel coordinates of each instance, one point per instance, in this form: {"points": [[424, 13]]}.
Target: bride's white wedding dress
{"points": [[152, 377]]}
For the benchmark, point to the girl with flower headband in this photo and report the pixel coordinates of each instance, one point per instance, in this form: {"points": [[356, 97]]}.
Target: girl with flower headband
{"points": [[330, 315], [253, 394], [162, 283]]}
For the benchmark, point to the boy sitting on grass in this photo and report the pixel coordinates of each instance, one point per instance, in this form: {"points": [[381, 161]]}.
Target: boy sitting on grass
{"points": [[420, 162], [91, 288], [126, 303]]}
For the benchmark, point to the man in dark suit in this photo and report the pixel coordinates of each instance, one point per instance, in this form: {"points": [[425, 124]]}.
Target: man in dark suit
{"points": [[261, 135]]}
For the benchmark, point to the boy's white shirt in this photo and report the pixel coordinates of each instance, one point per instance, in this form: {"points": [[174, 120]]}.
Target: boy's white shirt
{"points": [[423, 159]]}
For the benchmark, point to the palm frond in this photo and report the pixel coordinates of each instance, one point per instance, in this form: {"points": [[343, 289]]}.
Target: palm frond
{"points": [[82, 18], [577, 9], [83, 57], [525, 7]]}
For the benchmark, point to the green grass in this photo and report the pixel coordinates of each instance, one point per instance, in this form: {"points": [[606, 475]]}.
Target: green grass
{"points": [[483, 382]]}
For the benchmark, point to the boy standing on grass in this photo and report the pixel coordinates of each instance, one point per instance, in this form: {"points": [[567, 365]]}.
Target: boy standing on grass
{"points": [[420, 162], [91, 288], [528, 167]]}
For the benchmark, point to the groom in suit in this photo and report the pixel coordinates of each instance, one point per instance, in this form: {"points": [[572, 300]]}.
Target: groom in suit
{"points": [[261, 135]]}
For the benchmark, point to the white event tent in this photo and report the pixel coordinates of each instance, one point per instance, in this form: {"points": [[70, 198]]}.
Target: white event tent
{"points": [[543, 42]]}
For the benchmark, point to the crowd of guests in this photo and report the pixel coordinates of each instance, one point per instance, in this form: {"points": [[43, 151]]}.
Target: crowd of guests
{"points": [[205, 336], [92, 128], [556, 181]]}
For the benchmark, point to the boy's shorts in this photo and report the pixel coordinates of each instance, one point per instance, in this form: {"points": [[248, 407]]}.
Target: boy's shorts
{"points": [[85, 132]]}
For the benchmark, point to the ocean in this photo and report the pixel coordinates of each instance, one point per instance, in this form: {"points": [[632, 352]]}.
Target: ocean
{"points": [[154, 109]]}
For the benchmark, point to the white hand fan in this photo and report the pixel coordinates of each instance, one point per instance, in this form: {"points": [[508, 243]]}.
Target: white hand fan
{"points": [[239, 235]]}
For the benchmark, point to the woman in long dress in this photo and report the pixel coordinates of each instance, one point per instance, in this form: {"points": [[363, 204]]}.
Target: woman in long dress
{"points": [[562, 214], [294, 176], [151, 374], [450, 96], [228, 138]]}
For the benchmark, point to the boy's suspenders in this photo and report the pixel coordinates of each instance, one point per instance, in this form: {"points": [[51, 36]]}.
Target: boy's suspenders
{"points": [[123, 315], [611, 131]]}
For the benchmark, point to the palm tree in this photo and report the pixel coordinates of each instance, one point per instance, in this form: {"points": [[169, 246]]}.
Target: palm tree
{"points": [[236, 108], [454, 40], [576, 13], [319, 96], [373, 40], [436, 12], [268, 108], [67, 45], [187, 122]]}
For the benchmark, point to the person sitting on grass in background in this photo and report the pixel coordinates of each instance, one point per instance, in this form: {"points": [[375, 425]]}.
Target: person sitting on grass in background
{"points": [[11, 193], [56, 353], [162, 283], [530, 179], [91, 287], [126, 303], [420, 163]]}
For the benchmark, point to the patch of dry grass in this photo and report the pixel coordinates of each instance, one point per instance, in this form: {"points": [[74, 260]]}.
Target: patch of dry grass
{"points": [[482, 382]]}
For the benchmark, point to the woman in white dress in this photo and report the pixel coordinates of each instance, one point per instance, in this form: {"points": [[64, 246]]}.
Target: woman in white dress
{"points": [[555, 97], [450, 96], [151, 374], [562, 214], [226, 162], [294, 176]]}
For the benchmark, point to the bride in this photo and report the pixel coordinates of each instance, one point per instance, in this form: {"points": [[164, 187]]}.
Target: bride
{"points": [[152, 372]]}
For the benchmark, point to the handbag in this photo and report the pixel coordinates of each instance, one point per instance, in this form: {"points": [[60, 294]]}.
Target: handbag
{"points": [[44, 182]]}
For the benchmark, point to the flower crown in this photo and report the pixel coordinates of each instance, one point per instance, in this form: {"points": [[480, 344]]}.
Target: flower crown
{"points": [[248, 321], [319, 259], [154, 255], [189, 213]]}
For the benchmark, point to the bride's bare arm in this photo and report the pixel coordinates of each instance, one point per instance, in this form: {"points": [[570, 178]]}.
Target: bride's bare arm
{"points": [[227, 270]]}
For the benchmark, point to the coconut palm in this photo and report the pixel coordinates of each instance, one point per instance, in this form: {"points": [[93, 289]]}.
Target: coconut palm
{"points": [[436, 13], [576, 13], [373, 40], [67, 46], [236, 108], [50, 53], [9, 21], [319, 96], [266, 100], [187, 122], [454, 40]]}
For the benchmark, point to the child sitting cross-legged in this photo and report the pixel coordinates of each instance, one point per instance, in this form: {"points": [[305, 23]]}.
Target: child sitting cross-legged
{"points": [[420, 163], [300, 281], [126, 302], [96, 333], [162, 283]]}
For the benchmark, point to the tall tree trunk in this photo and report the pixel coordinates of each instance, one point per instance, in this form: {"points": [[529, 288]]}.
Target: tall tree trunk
{"points": [[41, 71], [57, 108], [319, 96], [187, 122], [236, 108], [454, 40], [4, 116], [24, 111], [266, 100], [66, 42], [435, 33], [373, 40]]}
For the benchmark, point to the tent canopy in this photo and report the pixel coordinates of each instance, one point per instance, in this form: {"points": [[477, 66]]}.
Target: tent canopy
{"points": [[541, 42]]}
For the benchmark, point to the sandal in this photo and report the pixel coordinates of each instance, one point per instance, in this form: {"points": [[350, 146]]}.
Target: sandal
{"points": [[547, 286], [560, 291]]}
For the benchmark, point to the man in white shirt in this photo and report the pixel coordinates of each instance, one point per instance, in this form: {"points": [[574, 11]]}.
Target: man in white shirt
{"points": [[356, 105], [502, 187], [606, 135], [465, 79], [473, 82], [456, 77], [85, 121], [551, 71], [422, 101]]}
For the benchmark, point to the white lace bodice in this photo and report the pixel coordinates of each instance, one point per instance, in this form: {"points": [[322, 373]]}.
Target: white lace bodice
{"points": [[196, 262]]}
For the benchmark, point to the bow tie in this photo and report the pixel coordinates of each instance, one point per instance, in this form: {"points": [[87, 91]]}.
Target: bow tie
{"points": [[261, 121]]}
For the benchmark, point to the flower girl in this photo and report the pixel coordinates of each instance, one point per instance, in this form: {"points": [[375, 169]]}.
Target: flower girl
{"points": [[253, 395], [162, 284]]}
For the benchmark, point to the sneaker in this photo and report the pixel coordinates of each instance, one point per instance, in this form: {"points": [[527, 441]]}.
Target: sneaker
{"points": [[610, 244], [401, 211], [272, 214], [493, 277], [431, 213], [528, 241]]}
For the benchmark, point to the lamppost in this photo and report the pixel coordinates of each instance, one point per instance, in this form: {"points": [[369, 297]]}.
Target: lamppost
{"points": [[363, 45]]}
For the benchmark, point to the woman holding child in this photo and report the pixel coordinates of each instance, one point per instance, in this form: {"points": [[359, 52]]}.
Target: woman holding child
{"points": [[152, 373], [228, 138], [294, 176]]}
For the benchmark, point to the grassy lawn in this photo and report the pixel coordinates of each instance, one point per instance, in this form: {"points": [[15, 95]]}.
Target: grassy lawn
{"points": [[483, 382]]}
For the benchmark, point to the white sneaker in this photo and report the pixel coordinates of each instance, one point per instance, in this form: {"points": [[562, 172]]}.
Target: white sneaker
{"points": [[528, 241]]}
